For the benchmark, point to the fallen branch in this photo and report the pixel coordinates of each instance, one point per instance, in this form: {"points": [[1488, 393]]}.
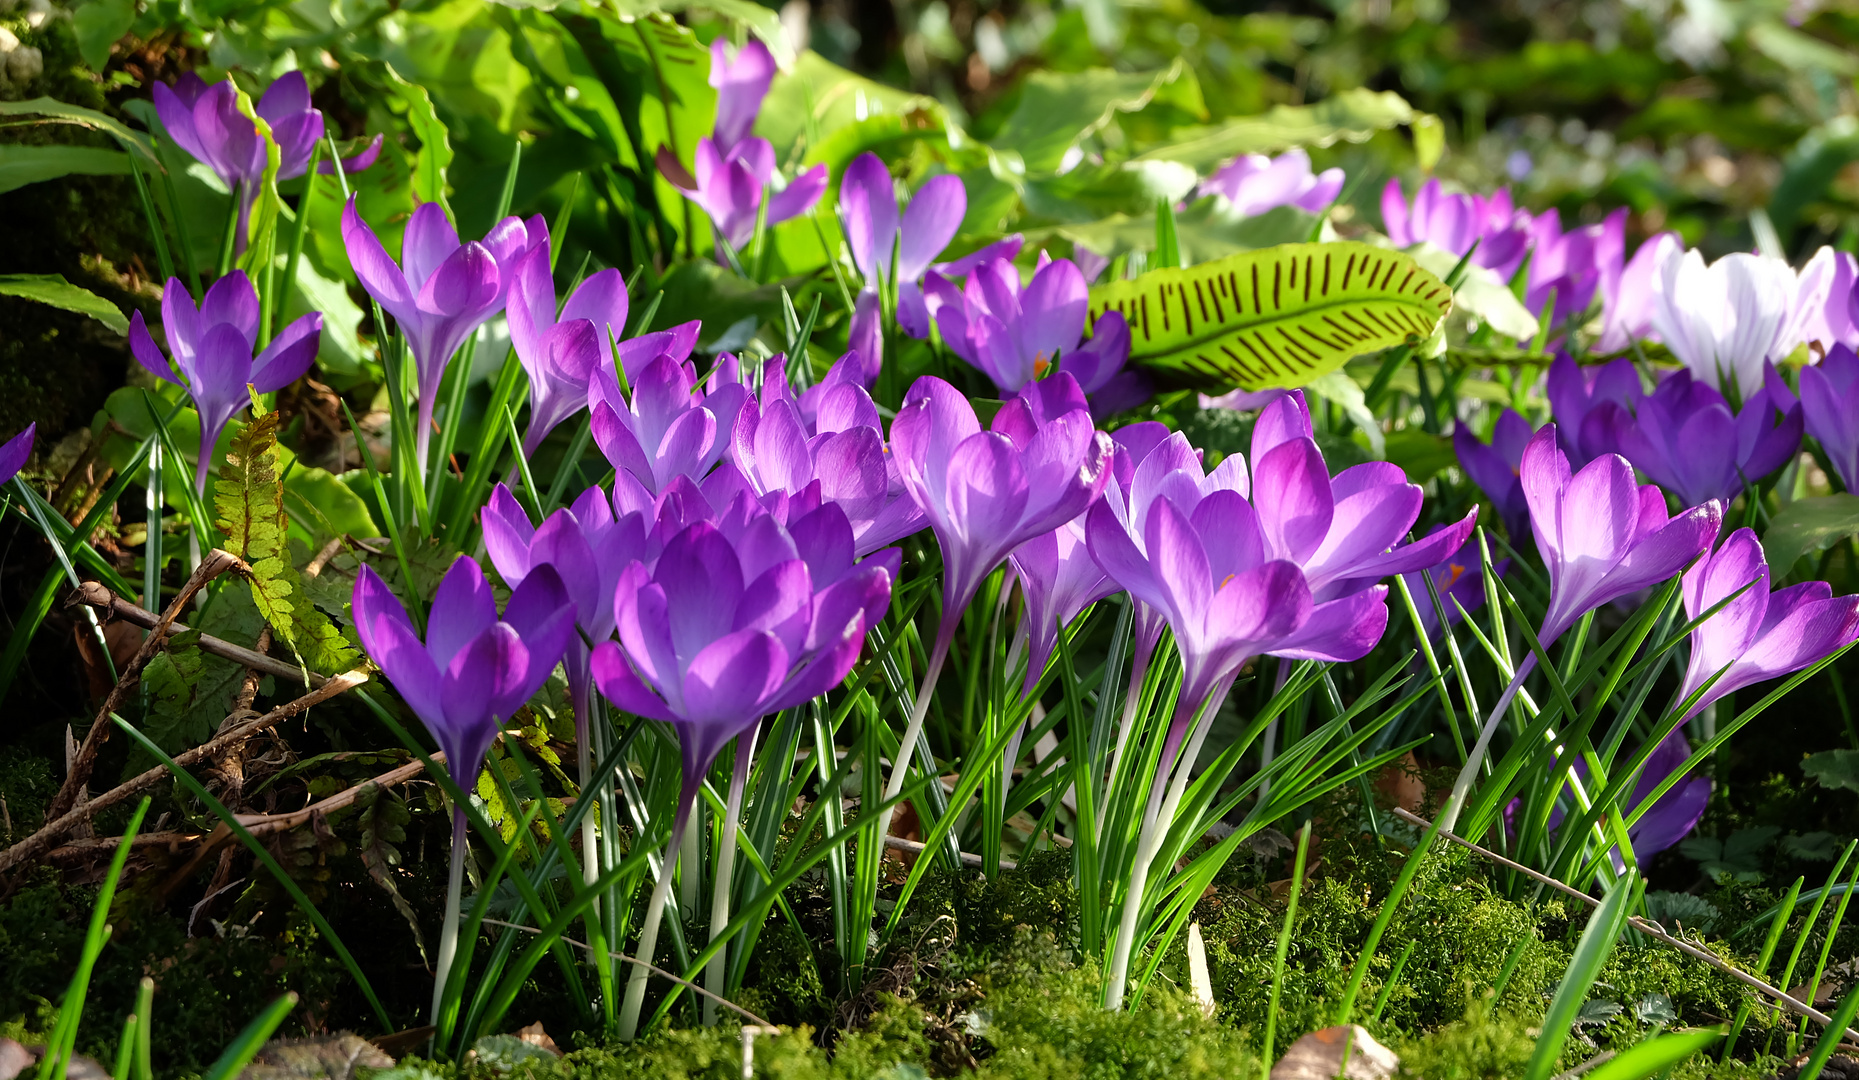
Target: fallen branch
{"points": [[81, 850], [1644, 926], [216, 563], [43, 840], [111, 606]]}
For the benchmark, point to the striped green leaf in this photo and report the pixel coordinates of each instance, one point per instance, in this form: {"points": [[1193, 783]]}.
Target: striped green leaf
{"points": [[1278, 317]]}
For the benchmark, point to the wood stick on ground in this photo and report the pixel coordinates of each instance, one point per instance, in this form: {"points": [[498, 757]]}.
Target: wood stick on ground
{"points": [[1644, 926], [213, 565], [111, 606], [43, 840]]}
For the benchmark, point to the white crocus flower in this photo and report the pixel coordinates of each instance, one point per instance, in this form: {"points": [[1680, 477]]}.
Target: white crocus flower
{"points": [[1724, 320]]}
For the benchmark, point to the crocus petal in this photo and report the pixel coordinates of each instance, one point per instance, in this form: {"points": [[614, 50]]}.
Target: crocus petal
{"points": [[868, 208], [289, 355], [930, 222], [145, 350], [16, 450], [799, 196], [462, 607]]}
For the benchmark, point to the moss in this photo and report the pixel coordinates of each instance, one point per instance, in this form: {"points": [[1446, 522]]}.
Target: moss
{"points": [[1482, 1045]]}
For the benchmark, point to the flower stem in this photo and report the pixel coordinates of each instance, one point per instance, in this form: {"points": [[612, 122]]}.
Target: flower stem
{"points": [[448, 930], [1455, 802], [906, 746], [715, 971], [648, 931]]}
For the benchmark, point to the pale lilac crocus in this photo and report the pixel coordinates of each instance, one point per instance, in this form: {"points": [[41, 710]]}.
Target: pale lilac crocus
{"points": [[1494, 468], [560, 353], [441, 291], [213, 350], [1725, 320], [1830, 408], [1685, 438], [735, 169], [714, 637], [919, 302], [1759, 635], [206, 122], [1015, 335], [1592, 405], [1602, 536], [474, 670], [1821, 314], [15, 451], [1626, 314], [877, 236], [987, 492], [1456, 222], [1254, 183]]}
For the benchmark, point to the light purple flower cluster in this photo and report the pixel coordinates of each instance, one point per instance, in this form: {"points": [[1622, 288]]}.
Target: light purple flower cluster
{"points": [[1254, 183], [877, 236], [735, 169], [1456, 222]]}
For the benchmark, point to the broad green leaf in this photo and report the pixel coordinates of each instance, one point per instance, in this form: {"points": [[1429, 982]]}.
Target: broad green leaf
{"points": [[435, 153], [1275, 318], [1810, 167], [764, 22], [1429, 141], [1059, 110], [1797, 51], [1835, 769], [262, 221], [53, 289], [809, 103], [323, 498], [1419, 454], [1809, 525], [59, 112], [1351, 116], [22, 165], [340, 352], [1091, 193], [1481, 295], [99, 25]]}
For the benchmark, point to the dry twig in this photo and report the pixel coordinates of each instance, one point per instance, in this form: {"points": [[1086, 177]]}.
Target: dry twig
{"points": [[111, 606]]}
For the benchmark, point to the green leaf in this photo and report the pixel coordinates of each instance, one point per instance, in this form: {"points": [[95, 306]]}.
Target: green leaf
{"points": [[99, 25], [1351, 116], [1654, 1056], [1208, 229], [21, 165], [53, 289], [1805, 526], [60, 112], [810, 104], [435, 154], [1597, 941], [1480, 296], [340, 352], [1275, 318], [1059, 110], [1419, 454], [1834, 769]]}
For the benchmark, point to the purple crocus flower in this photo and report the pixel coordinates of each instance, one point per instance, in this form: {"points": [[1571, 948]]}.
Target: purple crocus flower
{"points": [[1627, 310], [1576, 264], [716, 636], [874, 231], [1592, 405], [1602, 537], [1830, 408], [206, 122], [1821, 314], [1687, 441], [1254, 183], [560, 354], [1456, 222], [1342, 532], [15, 451], [585, 543], [1058, 580], [987, 492], [670, 425], [1016, 335], [1759, 635], [1460, 583], [792, 465], [734, 168], [1494, 468], [213, 353], [917, 307], [1601, 534], [474, 668], [445, 291]]}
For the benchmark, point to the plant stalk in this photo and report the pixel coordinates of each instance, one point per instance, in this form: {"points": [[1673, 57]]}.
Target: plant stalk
{"points": [[654, 918], [906, 746], [448, 930], [716, 971]]}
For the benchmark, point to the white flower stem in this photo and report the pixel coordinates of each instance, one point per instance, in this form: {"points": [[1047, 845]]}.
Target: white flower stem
{"points": [[448, 930], [906, 746], [1455, 802], [716, 970], [648, 932]]}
